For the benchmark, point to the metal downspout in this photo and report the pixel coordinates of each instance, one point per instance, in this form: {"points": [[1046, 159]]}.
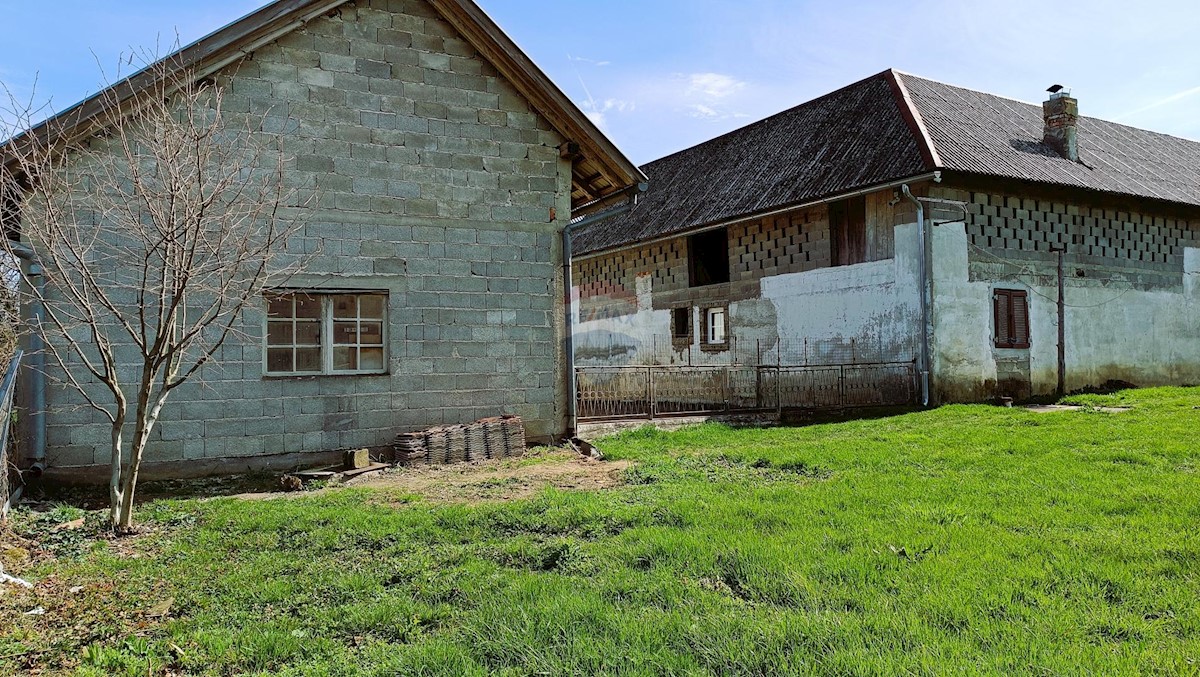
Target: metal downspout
{"points": [[37, 359], [923, 265], [568, 283]]}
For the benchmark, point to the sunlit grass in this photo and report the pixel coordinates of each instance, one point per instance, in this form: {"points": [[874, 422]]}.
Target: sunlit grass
{"points": [[969, 539]]}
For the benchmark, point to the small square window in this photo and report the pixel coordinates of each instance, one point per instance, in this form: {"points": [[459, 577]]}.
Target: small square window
{"points": [[326, 333]]}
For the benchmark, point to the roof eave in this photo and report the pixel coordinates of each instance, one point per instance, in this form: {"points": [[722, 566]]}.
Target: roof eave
{"points": [[934, 175], [238, 39], [204, 56]]}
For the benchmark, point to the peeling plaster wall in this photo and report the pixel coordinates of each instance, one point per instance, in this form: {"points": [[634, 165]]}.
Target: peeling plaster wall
{"points": [[874, 304], [1117, 327], [868, 311], [618, 339]]}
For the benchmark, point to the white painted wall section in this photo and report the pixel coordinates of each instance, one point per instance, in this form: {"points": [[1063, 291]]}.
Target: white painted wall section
{"points": [[1114, 330]]}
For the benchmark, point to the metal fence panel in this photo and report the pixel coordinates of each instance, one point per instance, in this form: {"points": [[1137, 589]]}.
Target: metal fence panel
{"points": [[810, 387], [869, 385], [646, 392], [613, 392]]}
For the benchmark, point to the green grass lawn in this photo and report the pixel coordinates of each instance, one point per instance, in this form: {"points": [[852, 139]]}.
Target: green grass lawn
{"points": [[969, 539]]}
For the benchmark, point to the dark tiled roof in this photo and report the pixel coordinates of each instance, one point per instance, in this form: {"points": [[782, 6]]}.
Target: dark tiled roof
{"points": [[867, 133], [856, 136], [988, 134]]}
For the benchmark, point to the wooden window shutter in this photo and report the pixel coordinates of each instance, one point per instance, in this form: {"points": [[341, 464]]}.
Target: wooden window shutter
{"points": [[1000, 305], [1019, 332], [856, 229], [1010, 310]]}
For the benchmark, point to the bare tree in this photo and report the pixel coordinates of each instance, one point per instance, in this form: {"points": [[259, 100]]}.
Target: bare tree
{"points": [[156, 225]]}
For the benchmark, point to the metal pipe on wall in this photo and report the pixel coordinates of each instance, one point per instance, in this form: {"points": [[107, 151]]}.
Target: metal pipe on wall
{"points": [[1062, 321], [569, 337], [923, 266], [37, 359]]}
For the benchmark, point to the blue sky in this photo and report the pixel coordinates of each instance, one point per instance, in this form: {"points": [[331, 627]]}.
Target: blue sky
{"points": [[661, 75]]}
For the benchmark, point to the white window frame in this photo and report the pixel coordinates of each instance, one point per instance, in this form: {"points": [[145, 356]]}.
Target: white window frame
{"points": [[327, 343], [709, 326]]}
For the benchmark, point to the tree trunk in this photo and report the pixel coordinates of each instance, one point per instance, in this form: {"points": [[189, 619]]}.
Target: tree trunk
{"points": [[129, 481], [145, 424], [114, 480]]}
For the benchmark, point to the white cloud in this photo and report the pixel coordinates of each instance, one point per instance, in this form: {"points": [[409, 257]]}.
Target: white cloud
{"points": [[597, 111], [699, 110], [713, 85]]}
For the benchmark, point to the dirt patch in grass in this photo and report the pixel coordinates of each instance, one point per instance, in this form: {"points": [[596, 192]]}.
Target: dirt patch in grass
{"points": [[1051, 408], [500, 480], [483, 481]]}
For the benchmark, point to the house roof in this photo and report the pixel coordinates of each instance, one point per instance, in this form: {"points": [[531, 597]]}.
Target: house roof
{"points": [[599, 168], [987, 134], [853, 137], [889, 127]]}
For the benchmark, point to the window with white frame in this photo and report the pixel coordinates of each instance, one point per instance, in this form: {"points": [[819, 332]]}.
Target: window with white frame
{"points": [[715, 327], [311, 332]]}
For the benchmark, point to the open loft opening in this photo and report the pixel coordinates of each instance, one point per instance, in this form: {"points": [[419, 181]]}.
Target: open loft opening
{"points": [[708, 258]]}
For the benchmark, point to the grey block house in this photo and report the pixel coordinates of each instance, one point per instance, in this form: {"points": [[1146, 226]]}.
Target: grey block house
{"points": [[447, 165]]}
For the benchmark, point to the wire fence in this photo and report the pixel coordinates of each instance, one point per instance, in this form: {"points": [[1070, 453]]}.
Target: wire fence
{"points": [[8, 468]]}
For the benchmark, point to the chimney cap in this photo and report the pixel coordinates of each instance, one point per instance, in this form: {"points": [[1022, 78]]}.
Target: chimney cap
{"points": [[1058, 91]]}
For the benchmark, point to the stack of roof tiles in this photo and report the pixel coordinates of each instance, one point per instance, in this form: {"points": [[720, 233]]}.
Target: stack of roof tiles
{"points": [[497, 437]]}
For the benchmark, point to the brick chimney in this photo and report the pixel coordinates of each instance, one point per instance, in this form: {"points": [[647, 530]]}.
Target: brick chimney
{"points": [[1061, 112]]}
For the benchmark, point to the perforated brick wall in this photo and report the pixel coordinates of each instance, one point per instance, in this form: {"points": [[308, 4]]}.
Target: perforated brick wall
{"points": [[606, 290], [788, 243], [1106, 236], [666, 262], [608, 284], [791, 242]]}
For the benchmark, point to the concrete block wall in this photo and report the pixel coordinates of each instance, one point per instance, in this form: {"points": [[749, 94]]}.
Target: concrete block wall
{"points": [[434, 182]]}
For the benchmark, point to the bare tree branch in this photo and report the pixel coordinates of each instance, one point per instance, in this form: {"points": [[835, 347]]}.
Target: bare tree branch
{"points": [[154, 235]]}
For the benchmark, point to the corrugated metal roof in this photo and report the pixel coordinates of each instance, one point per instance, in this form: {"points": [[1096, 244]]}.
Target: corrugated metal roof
{"points": [[856, 136], [987, 134], [866, 134]]}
